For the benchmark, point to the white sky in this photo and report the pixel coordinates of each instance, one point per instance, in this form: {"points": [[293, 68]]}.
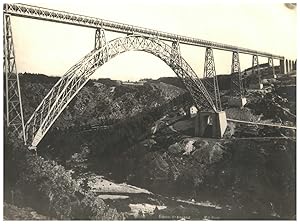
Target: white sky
{"points": [[52, 48]]}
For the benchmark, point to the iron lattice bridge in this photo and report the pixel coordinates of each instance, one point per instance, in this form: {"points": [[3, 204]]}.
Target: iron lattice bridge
{"points": [[205, 92]]}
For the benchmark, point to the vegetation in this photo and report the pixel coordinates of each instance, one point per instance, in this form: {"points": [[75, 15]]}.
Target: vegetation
{"points": [[109, 132], [48, 188], [97, 102]]}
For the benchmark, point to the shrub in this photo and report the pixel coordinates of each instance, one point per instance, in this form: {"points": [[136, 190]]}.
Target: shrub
{"points": [[49, 188]]}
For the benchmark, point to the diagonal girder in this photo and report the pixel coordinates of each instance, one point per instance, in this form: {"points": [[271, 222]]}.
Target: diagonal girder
{"points": [[13, 102], [210, 79], [76, 77], [175, 64]]}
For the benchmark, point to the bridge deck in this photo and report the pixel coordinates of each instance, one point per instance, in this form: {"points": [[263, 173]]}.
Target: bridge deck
{"points": [[40, 13]]}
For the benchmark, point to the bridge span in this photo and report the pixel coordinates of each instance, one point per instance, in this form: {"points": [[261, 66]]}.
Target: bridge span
{"points": [[204, 92], [40, 13]]}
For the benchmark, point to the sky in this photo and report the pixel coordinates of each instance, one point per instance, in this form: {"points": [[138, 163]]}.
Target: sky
{"points": [[52, 48]]}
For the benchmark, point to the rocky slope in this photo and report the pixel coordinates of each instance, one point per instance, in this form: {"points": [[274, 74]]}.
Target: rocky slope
{"points": [[98, 100], [242, 176]]}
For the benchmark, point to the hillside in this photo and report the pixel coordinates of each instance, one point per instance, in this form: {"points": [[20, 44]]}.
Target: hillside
{"points": [[98, 100], [146, 162]]}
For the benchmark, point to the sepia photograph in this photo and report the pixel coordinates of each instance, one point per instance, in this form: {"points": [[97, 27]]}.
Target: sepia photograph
{"points": [[149, 110]]}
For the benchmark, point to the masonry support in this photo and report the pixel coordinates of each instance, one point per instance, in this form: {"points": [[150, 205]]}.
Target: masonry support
{"points": [[210, 78], [209, 124], [13, 102], [255, 82], [237, 89]]}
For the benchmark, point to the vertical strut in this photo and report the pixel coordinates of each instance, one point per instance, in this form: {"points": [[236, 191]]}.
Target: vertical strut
{"points": [[14, 112], [176, 52], [255, 68], [281, 66], [100, 42], [271, 66], [210, 78], [236, 76]]}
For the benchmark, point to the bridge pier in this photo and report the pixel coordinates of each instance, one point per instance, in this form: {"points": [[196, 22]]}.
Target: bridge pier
{"points": [[210, 124], [210, 79], [12, 91], [255, 83], [271, 72], [286, 66], [237, 98], [282, 68]]}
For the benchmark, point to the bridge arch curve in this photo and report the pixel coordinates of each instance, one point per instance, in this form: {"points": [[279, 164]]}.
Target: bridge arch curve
{"points": [[78, 75]]}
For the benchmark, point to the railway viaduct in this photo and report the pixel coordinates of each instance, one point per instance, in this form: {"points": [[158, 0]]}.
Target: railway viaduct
{"points": [[166, 46]]}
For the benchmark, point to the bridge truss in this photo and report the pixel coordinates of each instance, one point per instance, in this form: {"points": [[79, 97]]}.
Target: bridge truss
{"points": [[12, 93], [77, 76], [237, 87], [40, 13], [210, 77], [205, 95]]}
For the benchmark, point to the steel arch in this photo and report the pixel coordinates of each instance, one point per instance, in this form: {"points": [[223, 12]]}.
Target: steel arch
{"points": [[77, 76]]}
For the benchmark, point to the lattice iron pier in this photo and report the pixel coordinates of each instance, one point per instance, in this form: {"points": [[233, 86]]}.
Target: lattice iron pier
{"points": [[210, 78], [255, 68], [237, 87], [13, 102], [271, 66]]}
